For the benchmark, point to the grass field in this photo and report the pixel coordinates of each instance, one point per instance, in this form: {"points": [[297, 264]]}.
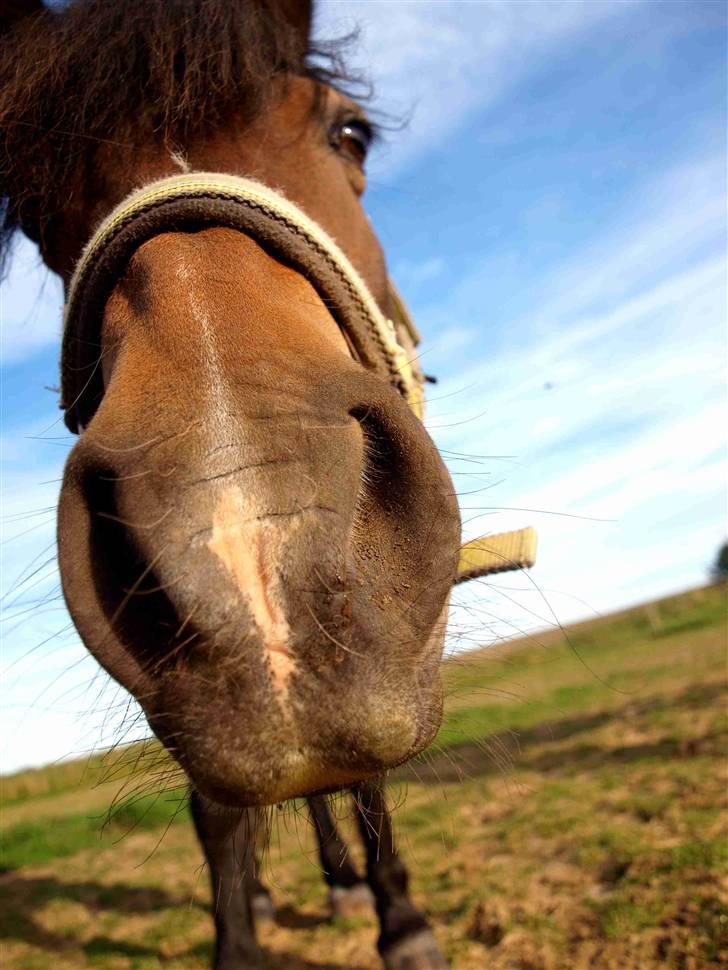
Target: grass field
{"points": [[571, 815]]}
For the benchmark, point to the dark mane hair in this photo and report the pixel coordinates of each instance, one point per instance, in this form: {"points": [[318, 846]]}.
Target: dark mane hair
{"points": [[129, 71]]}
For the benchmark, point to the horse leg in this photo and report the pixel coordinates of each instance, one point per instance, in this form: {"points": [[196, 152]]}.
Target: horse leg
{"points": [[261, 901], [349, 894], [406, 941], [228, 841]]}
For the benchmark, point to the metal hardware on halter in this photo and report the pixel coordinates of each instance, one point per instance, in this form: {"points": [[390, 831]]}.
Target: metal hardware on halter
{"points": [[387, 347]]}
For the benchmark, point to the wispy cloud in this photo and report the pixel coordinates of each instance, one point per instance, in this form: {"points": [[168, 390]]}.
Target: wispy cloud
{"points": [[436, 62], [31, 305], [616, 415]]}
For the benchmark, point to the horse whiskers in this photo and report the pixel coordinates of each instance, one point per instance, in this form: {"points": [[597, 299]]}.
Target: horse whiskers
{"points": [[150, 442], [20, 593], [30, 514], [331, 590], [135, 525], [337, 643], [188, 618], [152, 590], [128, 595], [133, 476], [31, 570], [175, 651], [246, 466]]}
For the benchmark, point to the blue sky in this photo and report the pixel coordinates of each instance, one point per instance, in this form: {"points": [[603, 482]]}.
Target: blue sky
{"points": [[554, 213]]}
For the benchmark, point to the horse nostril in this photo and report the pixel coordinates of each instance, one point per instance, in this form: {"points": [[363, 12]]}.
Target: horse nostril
{"points": [[380, 459], [127, 587]]}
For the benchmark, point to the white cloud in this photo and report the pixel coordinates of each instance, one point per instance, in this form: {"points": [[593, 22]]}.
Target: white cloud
{"points": [[661, 225], [660, 235], [435, 62], [594, 357], [632, 427], [31, 305]]}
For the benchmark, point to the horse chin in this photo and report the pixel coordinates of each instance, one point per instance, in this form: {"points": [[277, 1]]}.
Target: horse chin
{"points": [[232, 764], [226, 774], [244, 743], [299, 773]]}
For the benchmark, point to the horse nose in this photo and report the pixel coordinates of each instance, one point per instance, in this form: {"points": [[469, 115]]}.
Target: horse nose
{"points": [[271, 583], [336, 485], [227, 513]]}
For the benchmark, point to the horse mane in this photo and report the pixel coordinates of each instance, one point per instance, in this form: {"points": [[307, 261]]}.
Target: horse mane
{"points": [[95, 72]]}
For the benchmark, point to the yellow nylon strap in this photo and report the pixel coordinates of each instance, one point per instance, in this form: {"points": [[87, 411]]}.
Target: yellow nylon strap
{"points": [[497, 554]]}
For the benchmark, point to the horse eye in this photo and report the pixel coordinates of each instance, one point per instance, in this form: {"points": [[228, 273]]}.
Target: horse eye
{"points": [[352, 139]]}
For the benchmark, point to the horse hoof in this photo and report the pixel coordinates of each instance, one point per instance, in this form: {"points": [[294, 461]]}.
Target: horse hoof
{"points": [[417, 952], [240, 958], [356, 900], [263, 909]]}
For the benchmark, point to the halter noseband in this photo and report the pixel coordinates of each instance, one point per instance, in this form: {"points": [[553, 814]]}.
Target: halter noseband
{"points": [[202, 199]]}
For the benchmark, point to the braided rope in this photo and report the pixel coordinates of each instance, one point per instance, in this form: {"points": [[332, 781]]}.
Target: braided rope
{"points": [[253, 194]]}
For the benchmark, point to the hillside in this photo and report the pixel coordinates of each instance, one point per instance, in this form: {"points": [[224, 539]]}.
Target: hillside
{"points": [[569, 815]]}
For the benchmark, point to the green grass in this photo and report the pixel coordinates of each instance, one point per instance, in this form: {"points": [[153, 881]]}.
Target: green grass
{"points": [[591, 668], [698, 854], [38, 841], [621, 916]]}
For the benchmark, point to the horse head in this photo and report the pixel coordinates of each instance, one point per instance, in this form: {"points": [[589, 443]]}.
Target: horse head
{"points": [[257, 535]]}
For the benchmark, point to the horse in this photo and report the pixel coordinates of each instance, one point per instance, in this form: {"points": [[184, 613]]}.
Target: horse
{"points": [[257, 537]]}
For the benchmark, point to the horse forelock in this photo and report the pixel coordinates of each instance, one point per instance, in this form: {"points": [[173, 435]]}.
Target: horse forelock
{"points": [[97, 74]]}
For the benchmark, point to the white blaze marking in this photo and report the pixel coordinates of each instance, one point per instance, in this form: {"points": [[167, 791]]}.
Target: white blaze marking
{"points": [[189, 274], [246, 548]]}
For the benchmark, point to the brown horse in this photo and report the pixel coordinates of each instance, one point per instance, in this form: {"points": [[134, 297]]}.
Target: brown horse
{"points": [[257, 536]]}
